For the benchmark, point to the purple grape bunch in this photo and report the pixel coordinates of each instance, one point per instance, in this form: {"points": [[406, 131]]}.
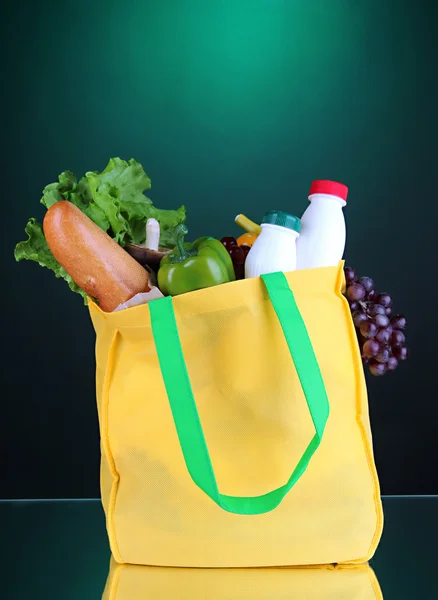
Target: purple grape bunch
{"points": [[380, 333]]}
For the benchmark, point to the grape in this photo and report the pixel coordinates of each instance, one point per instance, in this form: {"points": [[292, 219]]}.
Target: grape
{"points": [[359, 317], [399, 322], [245, 249], [377, 368], [381, 320], [379, 333], [384, 335], [229, 242], [383, 355], [400, 352], [237, 255], [392, 363], [238, 258], [368, 329], [397, 338], [376, 309], [384, 299], [370, 348], [367, 283], [355, 291], [360, 338], [350, 275]]}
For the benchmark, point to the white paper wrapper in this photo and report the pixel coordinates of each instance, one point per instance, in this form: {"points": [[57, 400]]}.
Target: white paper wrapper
{"points": [[139, 299]]}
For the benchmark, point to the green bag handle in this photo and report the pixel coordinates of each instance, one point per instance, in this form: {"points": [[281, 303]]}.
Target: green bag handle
{"points": [[183, 405]]}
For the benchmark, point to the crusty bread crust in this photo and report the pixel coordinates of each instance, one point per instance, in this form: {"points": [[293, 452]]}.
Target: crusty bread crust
{"points": [[95, 262]]}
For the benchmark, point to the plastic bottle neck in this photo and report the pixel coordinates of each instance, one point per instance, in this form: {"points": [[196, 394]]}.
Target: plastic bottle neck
{"points": [[327, 198]]}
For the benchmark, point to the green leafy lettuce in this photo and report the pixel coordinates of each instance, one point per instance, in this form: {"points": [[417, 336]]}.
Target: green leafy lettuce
{"points": [[114, 199], [36, 248]]}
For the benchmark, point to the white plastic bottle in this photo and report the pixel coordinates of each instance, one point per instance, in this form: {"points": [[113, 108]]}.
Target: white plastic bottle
{"points": [[322, 238], [275, 247]]}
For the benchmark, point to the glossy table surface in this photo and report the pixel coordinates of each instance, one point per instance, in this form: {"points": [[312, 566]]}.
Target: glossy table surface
{"points": [[58, 549]]}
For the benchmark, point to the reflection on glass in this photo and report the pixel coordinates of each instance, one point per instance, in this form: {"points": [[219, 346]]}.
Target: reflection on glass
{"points": [[130, 582]]}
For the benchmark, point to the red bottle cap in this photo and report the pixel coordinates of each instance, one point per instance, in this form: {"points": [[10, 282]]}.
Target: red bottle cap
{"points": [[333, 188]]}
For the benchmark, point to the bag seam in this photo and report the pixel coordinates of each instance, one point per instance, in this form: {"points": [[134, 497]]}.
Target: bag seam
{"points": [[375, 583], [107, 450], [115, 582], [361, 384]]}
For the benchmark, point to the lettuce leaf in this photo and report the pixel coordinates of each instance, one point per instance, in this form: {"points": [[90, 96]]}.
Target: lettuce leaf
{"points": [[35, 248], [118, 192], [114, 199]]}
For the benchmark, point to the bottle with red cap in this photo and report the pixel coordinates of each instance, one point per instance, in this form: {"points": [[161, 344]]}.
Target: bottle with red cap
{"points": [[322, 238]]}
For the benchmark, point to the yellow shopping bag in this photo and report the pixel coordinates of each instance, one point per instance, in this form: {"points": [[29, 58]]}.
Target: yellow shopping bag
{"points": [[234, 427], [128, 582]]}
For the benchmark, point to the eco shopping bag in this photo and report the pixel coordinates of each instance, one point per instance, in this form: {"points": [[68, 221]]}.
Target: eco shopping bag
{"points": [[234, 427], [129, 582]]}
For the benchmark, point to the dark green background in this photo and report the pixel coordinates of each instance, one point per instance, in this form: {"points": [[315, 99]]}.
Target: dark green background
{"points": [[231, 106]]}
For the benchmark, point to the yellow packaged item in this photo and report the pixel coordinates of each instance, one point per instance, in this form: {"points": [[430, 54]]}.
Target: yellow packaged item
{"points": [[234, 427]]}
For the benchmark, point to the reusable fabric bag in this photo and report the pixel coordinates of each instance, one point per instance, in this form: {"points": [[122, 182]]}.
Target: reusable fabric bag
{"points": [[234, 427], [128, 582]]}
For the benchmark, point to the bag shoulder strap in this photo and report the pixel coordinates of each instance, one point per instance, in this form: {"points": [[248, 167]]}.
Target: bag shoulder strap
{"points": [[183, 405]]}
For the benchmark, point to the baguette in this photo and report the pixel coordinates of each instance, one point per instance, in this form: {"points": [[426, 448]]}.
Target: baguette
{"points": [[95, 262]]}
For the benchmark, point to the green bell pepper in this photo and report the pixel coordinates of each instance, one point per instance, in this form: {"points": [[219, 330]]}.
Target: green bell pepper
{"points": [[189, 267]]}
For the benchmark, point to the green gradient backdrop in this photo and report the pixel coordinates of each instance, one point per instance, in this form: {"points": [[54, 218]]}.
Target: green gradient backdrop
{"points": [[231, 106]]}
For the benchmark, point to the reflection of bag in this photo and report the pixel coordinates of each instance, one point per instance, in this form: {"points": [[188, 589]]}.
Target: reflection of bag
{"points": [[128, 582], [231, 345]]}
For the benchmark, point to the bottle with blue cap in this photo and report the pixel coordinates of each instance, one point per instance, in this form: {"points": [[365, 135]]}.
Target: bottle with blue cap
{"points": [[275, 248]]}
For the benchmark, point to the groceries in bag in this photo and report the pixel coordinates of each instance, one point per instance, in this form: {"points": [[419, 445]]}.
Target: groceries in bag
{"points": [[322, 237], [94, 261], [247, 239], [193, 266], [149, 254], [139, 299], [239, 248], [114, 200], [104, 237], [275, 248], [248, 225], [380, 334], [238, 254]]}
